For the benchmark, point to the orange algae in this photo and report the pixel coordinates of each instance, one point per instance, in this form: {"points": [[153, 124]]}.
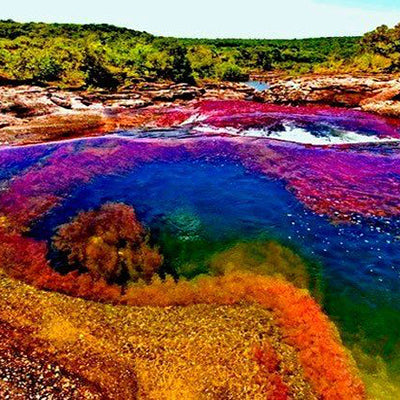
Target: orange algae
{"points": [[195, 352], [327, 365], [269, 363]]}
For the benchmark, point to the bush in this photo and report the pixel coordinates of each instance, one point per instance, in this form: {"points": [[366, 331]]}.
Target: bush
{"points": [[181, 68], [385, 43], [232, 73], [202, 61], [48, 69], [97, 73]]}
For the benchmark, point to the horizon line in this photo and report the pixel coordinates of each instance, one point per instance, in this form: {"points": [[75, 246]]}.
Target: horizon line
{"points": [[181, 37]]}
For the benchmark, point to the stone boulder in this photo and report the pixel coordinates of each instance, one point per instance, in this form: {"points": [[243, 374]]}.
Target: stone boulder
{"points": [[348, 91], [228, 91]]}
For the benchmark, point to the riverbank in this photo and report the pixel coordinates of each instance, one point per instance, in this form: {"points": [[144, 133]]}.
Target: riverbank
{"points": [[33, 114], [379, 93]]}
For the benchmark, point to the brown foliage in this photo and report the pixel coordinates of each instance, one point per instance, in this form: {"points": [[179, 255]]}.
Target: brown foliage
{"points": [[111, 243]]}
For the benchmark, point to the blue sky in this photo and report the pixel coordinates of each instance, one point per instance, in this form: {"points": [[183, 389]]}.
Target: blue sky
{"points": [[217, 18], [374, 4]]}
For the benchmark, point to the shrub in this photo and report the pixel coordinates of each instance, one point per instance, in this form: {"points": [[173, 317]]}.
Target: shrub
{"points": [[48, 69], [181, 68], [385, 42], [232, 73], [202, 61], [97, 73]]}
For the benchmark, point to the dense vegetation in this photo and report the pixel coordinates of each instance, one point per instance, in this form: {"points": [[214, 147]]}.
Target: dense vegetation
{"points": [[264, 55], [384, 43], [108, 56], [159, 352]]}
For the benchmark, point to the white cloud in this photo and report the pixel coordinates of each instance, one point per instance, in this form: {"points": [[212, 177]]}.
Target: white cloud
{"points": [[211, 18]]}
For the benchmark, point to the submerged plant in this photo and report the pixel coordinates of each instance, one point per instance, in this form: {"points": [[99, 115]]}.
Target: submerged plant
{"points": [[110, 243], [264, 258]]}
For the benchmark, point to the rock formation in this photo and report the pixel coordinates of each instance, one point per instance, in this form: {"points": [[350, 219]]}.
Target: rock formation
{"points": [[379, 94]]}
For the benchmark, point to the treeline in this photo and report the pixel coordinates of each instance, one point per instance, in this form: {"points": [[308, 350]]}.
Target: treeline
{"points": [[90, 55], [101, 55], [267, 54]]}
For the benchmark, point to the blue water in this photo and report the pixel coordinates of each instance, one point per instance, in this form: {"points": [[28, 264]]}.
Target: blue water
{"points": [[359, 263], [232, 203], [258, 85]]}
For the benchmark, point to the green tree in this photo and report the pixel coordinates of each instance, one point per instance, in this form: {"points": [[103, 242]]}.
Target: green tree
{"points": [[232, 72], [202, 61], [97, 72], [181, 68], [263, 58]]}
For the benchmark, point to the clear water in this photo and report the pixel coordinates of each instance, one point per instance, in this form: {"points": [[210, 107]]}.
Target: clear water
{"points": [[258, 85]]}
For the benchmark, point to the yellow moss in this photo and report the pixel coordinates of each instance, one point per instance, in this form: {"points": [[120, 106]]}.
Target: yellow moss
{"points": [[58, 329], [195, 352], [264, 258]]}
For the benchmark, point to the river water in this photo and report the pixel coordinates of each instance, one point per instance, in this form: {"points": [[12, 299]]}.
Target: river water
{"points": [[333, 202]]}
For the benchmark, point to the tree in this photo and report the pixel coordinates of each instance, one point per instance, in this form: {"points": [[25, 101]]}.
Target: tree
{"points": [[181, 68], [385, 42], [202, 61], [263, 59], [232, 72], [97, 72]]}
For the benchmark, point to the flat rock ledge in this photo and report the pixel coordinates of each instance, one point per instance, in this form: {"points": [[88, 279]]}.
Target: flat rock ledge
{"points": [[378, 94], [33, 114]]}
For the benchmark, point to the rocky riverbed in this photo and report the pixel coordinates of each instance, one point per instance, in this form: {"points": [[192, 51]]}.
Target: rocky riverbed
{"points": [[379, 94], [33, 114]]}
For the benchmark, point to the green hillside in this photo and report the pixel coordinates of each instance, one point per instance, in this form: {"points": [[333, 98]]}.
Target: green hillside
{"points": [[102, 55]]}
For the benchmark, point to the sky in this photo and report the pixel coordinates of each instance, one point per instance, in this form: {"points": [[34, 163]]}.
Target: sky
{"points": [[216, 18]]}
